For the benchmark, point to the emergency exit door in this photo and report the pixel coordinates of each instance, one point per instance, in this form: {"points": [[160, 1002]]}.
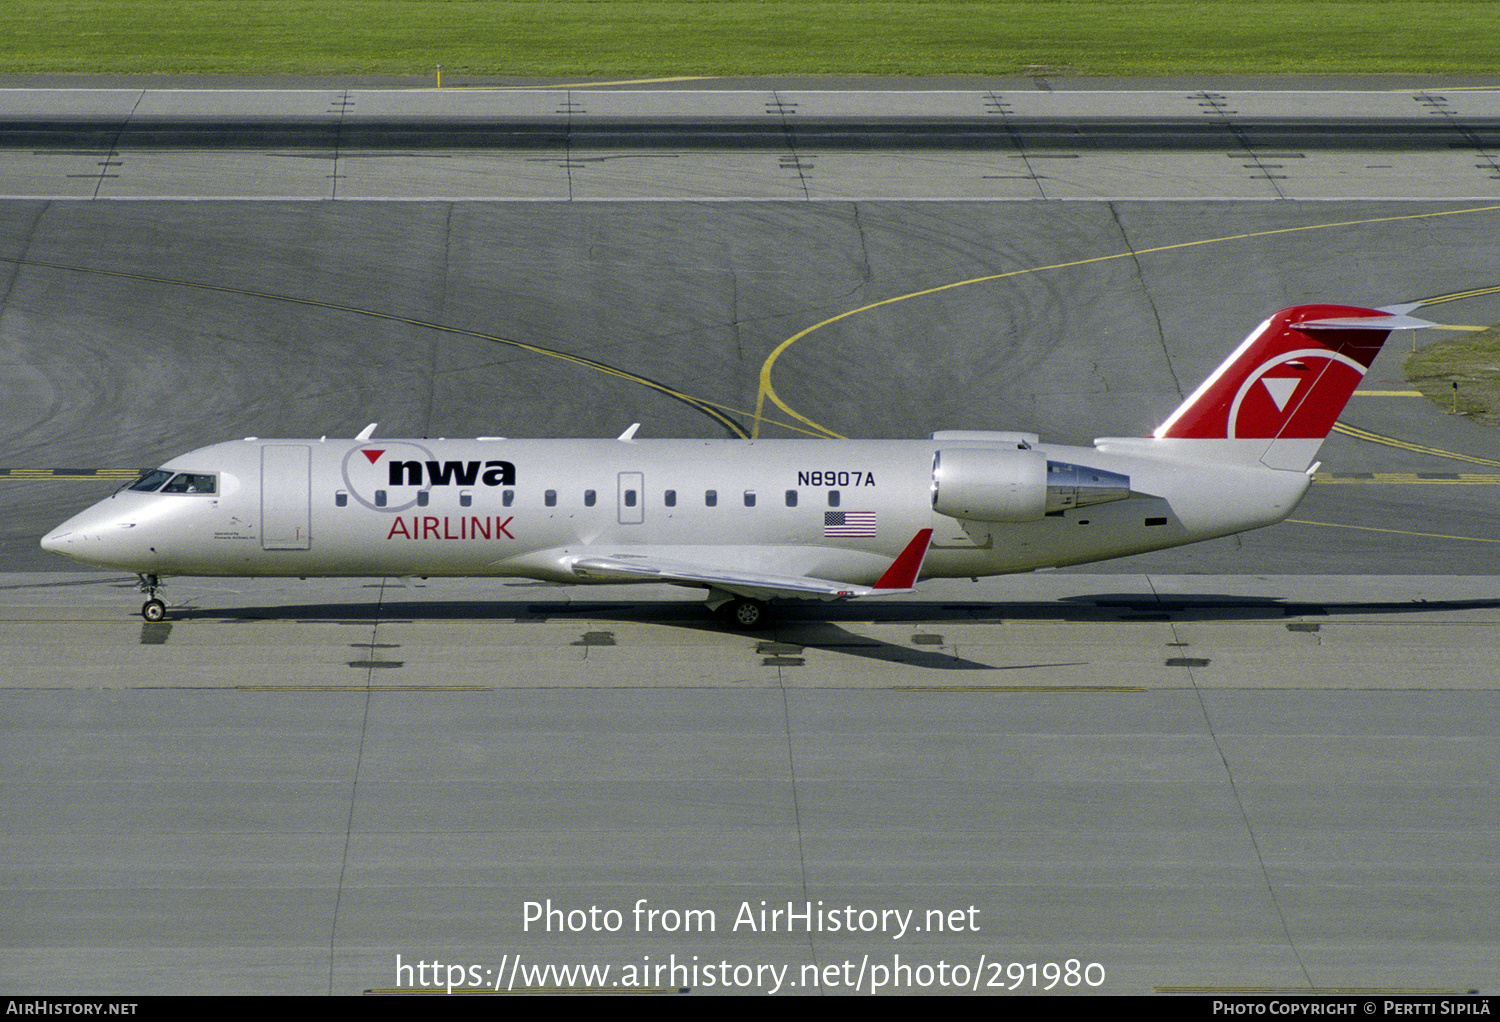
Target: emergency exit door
{"points": [[632, 498]]}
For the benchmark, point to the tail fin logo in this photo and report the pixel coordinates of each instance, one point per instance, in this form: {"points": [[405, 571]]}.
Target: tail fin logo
{"points": [[1272, 401], [1281, 389]]}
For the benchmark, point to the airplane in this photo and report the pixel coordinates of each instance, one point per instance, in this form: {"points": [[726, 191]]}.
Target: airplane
{"points": [[750, 521]]}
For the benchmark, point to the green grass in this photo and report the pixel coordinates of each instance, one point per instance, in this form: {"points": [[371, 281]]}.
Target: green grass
{"points": [[648, 38], [1473, 362]]}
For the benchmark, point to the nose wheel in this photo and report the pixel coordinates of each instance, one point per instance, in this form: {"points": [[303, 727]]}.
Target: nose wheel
{"points": [[154, 609]]}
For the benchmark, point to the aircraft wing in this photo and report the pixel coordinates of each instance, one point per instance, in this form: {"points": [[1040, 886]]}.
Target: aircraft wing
{"points": [[900, 577]]}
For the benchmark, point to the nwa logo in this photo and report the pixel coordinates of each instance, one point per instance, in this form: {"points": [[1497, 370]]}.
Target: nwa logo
{"points": [[1273, 400], [394, 476], [448, 473]]}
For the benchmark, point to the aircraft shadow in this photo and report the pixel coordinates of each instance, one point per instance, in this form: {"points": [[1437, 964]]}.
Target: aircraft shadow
{"points": [[797, 628], [1080, 609]]}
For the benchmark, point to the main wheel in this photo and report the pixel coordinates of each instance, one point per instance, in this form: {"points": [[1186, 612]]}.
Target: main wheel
{"points": [[749, 614], [153, 610]]}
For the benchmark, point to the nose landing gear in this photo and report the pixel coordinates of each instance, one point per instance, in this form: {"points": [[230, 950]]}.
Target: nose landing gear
{"points": [[154, 609]]}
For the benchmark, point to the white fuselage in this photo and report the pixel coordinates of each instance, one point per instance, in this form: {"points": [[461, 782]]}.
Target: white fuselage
{"points": [[837, 510]]}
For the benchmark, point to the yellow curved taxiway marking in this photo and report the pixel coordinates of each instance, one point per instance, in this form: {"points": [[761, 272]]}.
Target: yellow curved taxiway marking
{"points": [[1455, 296], [1393, 532], [768, 391], [720, 413], [1405, 445]]}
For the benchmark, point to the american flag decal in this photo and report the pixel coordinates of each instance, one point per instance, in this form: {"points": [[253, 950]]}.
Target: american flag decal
{"points": [[848, 523]]}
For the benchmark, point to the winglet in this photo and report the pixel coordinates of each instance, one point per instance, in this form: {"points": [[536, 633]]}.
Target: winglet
{"points": [[903, 572]]}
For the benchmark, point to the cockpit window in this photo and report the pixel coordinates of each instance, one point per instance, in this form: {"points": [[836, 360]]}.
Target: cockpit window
{"points": [[181, 482], [187, 482], [151, 481]]}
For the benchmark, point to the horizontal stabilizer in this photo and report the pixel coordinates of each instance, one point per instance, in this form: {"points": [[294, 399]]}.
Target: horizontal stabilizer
{"points": [[1387, 322]]}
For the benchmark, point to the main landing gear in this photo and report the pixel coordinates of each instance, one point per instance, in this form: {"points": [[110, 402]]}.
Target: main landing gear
{"points": [[154, 609], [740, 611], [749, 614]]}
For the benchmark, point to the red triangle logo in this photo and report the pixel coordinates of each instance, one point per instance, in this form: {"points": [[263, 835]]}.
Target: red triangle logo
{"points": [[374, 456]]}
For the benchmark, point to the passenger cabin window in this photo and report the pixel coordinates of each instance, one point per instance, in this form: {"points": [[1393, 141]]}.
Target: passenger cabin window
{"points": [[590, 498], [791, 498], [749, 498], [465, 498], [833, 498], [423, 497], [380, 498], [630, 498], [550, 498], [670, 498], [711, 498], [341, 499], [508, 498]]}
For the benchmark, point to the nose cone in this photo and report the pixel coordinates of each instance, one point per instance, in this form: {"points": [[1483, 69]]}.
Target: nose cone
{"points": [[98, 536], [55, 542], [76, 538]]}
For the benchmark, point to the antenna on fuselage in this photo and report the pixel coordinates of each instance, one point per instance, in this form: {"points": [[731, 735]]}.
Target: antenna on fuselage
{"points": [[367, 432]]}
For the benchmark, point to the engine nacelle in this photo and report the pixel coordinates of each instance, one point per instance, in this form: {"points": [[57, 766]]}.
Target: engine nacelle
{"points": [[1070, 486], [1016, 484], [990, 484]]}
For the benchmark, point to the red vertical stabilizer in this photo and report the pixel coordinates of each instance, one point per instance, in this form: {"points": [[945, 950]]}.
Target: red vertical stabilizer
{"points": [[1290, 379]]}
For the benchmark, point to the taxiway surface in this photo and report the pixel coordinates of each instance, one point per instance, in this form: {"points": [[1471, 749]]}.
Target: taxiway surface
{"points": [[1266, 761]]}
